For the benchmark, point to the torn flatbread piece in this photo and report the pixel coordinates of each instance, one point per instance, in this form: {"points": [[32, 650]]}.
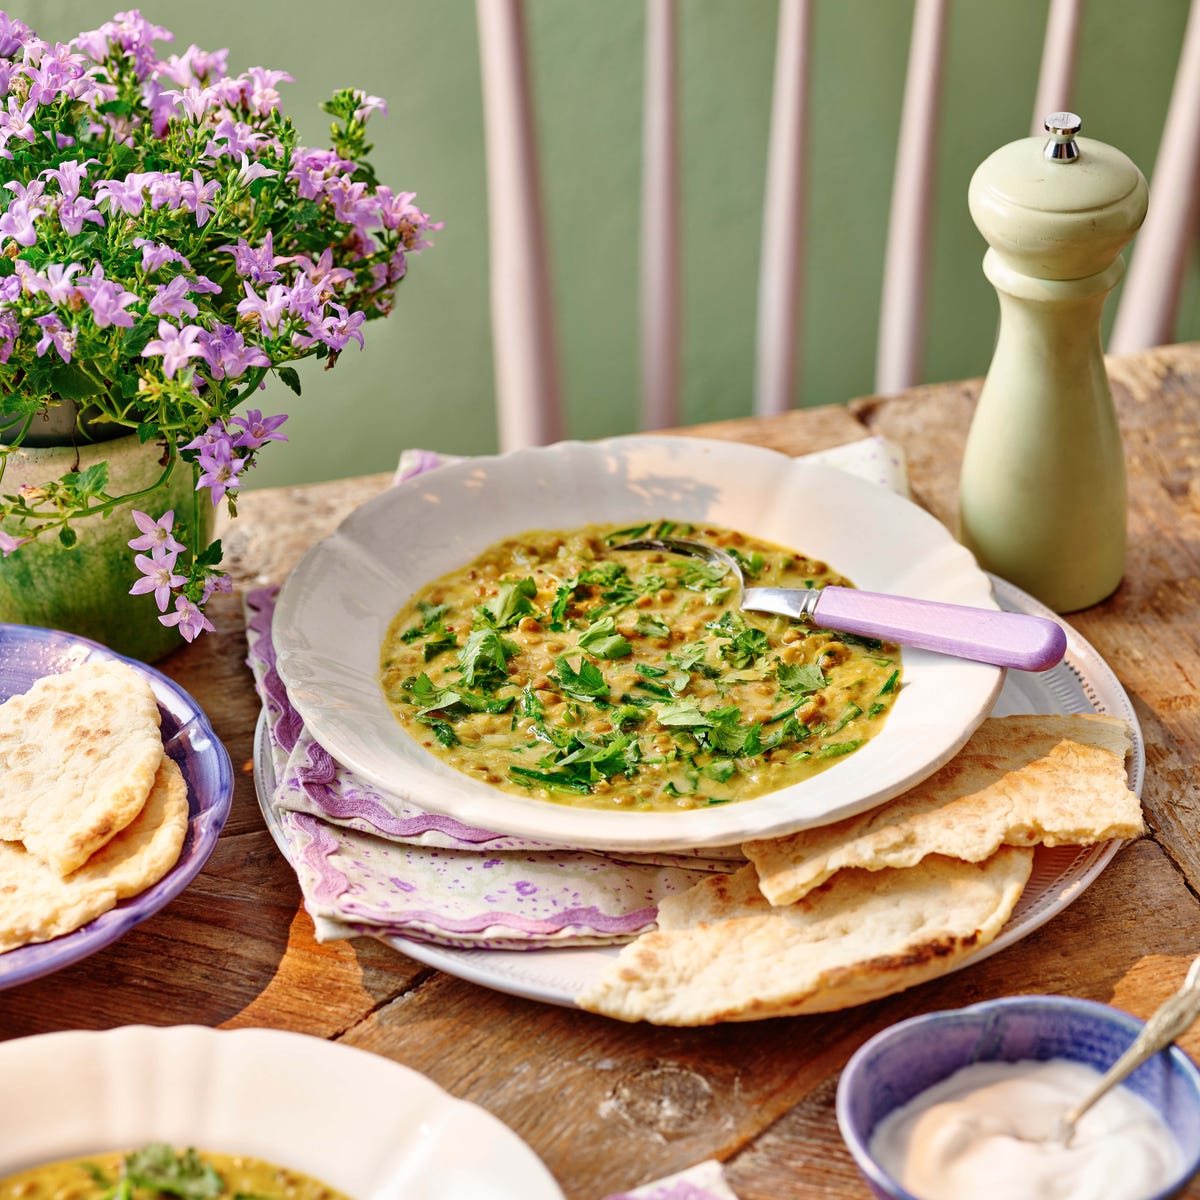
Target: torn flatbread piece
{"points": [[79, 752], [36, 903], [722, 953], [1040, 779]]}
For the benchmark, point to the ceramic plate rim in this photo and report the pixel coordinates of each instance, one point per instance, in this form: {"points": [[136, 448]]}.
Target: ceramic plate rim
{"points": [[248, 1091], [327, 637], [189, 736]]}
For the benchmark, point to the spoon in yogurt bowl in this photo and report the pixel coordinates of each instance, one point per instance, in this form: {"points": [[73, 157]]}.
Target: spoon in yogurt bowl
{"points": [[1173, 1017], [1003, 639]]}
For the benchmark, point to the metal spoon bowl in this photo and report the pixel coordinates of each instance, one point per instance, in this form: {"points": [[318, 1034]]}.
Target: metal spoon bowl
{"points": [[1002, 639]]}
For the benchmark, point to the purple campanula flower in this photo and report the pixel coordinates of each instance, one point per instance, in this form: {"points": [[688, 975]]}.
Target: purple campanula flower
{"points": [[197, 197], [238, 138], [176, 346], [56, 334], [367, 105], [15, 120], [13, 35], [125, 195], [194, 66], [258, 430], [156, 255], [227, 354], [170, 300], [155, 535], [17, 222], [10, 330], [336, 331], [220, 468], [323, 273], [107, 299], [8, 543], [260, 93], [268, 309], [72, 214], [256, 265], [158, 576], [216, 584], [69, 176], [191, 621], [166, 189], [250, 171], [55, 283]]}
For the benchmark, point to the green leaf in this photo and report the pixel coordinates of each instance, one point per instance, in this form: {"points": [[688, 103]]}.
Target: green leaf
{"points": [[485, 656], [135, 340], [683, 713], [73, 384], [800, 679], [513, 601], [186, 1174], [652, 627], [745, 648], [837, 749], [602, 640], [890, 685], [290, 376], [586, 683], [530, 777]]}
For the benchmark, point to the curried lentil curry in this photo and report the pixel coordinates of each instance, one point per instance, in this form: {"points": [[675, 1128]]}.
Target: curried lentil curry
{"points": [[556, 666], [159, 1171]]}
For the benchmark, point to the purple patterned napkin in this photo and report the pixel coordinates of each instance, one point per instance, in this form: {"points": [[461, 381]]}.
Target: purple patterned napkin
{"points": [[704, 1181]]}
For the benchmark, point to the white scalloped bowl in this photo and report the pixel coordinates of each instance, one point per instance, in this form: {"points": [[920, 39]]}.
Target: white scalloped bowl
{"points": [[335, 607], [359, 1122]]}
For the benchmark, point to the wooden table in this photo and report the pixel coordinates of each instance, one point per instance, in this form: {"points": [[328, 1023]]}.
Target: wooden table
{"points": [[608, 1105]]}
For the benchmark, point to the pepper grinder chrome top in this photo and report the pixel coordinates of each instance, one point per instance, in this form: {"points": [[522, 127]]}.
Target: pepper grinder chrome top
{"points": [[1042, 493], [1062, 128]]}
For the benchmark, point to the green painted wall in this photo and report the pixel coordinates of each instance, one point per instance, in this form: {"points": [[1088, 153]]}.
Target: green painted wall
{"points": [[425, 377]]}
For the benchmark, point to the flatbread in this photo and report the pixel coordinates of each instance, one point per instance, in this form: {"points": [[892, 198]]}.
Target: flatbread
{"points": [[1020, 781], [722, 953], [36, 903], [78, 754]]}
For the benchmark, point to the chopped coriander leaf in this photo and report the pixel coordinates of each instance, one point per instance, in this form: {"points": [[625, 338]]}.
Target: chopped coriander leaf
{"points": [[649, 672], [800, 679], [854, 639], [890, 685], [682, 713], [185, 1174], [851, 712], [442, 730], [530, 706], [513, 601], [746, 648], [655, 689], [485, 656], [837, 749], [721, 771], [530, 777], [606, 574], [652, 627], [751, 563], [602, 640], [430, 614], [562, 598], [876, 709], [586, 683], [700, 576], [630, 533]]}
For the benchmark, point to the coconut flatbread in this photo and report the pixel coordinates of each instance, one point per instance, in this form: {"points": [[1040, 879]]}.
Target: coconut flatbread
{"points": [[1026, 780], [36, 903], [78, 755], [723, 953]]}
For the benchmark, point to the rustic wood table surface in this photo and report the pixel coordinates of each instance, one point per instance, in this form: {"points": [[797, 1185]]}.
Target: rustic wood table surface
{"points": [[608, 1105]]}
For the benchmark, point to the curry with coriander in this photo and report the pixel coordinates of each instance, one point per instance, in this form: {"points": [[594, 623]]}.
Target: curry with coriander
{"points": [[559, 666], [157, 1171]]}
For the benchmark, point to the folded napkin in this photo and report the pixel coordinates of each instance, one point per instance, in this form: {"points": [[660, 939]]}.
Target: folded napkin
{"points": [[371, 862], [704, 1181]]}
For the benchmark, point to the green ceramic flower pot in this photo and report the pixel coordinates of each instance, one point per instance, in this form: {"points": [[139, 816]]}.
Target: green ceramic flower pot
{"points": [[84, 589]]}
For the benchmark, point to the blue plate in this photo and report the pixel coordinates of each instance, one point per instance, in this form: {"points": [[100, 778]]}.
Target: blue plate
{"points": [[26, 654]]}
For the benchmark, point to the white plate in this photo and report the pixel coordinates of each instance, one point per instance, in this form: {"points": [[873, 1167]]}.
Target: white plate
{"points": [[359, 1122], [334, 609], [1081, 683]]}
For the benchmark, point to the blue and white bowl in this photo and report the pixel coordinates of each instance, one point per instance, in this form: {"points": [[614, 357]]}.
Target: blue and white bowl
{"points": [[908, 1058]]}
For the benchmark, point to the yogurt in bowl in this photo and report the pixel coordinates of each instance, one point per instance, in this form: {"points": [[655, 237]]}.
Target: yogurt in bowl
{"points": [[967, 1103]]}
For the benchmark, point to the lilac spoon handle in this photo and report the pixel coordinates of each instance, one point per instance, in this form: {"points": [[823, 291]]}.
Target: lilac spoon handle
{"points": [[1003, 639]]}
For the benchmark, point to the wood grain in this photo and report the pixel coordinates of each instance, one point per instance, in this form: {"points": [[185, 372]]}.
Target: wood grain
{"points": [[608, 1105]]}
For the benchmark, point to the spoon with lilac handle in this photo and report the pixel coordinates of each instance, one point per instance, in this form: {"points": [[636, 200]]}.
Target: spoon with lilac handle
{"points": [[1002, 639]]}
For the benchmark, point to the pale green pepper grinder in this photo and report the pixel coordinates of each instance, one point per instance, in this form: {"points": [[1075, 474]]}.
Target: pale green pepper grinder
{"points": [[1042, 495]]}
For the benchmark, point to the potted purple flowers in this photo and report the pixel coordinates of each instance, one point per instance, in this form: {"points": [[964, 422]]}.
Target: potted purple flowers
{"points": [[166, 246]]}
